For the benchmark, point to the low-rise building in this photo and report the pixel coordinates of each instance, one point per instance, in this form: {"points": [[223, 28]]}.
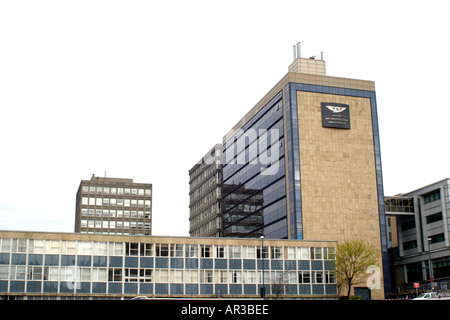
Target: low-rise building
{"points": [[38, 265]]}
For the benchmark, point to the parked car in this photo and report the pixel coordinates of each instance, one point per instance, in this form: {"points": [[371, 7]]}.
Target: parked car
{"points": [[427, 296], [442, 296]]}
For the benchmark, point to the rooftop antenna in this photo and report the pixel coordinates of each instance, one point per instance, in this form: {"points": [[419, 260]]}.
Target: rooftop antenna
{"points": [[297, 51]]}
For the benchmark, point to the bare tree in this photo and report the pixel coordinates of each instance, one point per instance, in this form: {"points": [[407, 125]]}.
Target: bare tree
{"points": [[279, 284]]}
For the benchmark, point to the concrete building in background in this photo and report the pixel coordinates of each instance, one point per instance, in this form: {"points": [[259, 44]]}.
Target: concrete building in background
{"points": [[113, 206], [304, 163], [205, 180], [423, 251]]}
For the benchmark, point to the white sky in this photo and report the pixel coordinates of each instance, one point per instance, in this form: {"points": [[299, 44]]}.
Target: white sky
{"points": [[143, 89]]}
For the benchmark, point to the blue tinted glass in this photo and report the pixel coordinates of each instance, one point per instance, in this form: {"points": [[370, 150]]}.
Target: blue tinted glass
{"points": [[206, 263], [330, 289], [277, 264], [291, 289], [290, 265], [17, 286], [18, 259], [4, 258], [235, 289], [318, 289], [98, 287], [3, 286], [115, 262], [67, 260], [304, 289], [176, 288], [50, 286], [66, 287], [303, 265], [131, 288], [191, 288], [114, 287], [99, 261], [35, 259], [176, 263], [51, 260], [221, 289], [249, 264], [161, 262], [83, 287], [191, 263], [84, 261], [131, 262], [220, 263], [316, 265], [249, 289], [146, 288], [235, 264], [253, 173], [146, 262], [206, 289], [161, 288]]}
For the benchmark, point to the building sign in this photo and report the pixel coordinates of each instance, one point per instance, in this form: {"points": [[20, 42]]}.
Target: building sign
{"points": [[335, 115]]}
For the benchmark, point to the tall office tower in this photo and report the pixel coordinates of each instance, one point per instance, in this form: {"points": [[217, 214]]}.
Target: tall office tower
{"points": [[205, 192], [306, 158], [114, 206]]}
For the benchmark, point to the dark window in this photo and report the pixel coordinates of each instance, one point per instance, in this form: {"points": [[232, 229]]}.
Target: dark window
{"points": [[437, 238], [408, 225], [409, 245], [436, 195], [434, 217], [414, 272]]}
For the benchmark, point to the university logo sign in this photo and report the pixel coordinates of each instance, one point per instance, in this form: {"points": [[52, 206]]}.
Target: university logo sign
{"points": [[335, 115]]}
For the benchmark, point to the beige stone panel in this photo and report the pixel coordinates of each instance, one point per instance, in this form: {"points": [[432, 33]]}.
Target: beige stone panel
{"points": [[338, 176]]}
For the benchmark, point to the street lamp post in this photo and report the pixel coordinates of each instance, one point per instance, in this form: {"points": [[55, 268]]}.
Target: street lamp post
{"points": [[430, 265], [263, 289]]}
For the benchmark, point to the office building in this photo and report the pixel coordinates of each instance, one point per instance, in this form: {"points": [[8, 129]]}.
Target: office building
{"points": [[205, 179], [37, 265], [423, 223], [113, 206], [305, 163]]}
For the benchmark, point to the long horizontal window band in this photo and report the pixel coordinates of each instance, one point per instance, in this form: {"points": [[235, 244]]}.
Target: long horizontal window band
{"points": [[253, 171], [270, 213], [254, 182], [245, 183], [250, 214], [242, 134], [264, 226], [264, 111], [254, 164], [250, 195], [241, 195], [252, 150], [239, 134]]}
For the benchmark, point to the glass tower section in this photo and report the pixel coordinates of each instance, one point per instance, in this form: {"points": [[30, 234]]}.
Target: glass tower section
{"points": [[254, 185]]}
